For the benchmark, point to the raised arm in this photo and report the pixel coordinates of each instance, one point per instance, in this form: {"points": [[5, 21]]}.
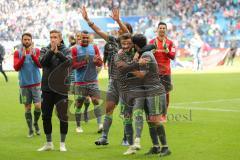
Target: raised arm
{"points": [[92, 25], [116, 17]]}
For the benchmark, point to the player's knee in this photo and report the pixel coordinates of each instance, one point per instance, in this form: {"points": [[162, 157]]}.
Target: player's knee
{"points": [[46, 118], [37, 105], [27, 107], [63, 117], [158, 123], [154, 119], [87, 100], [110, 108], [95, 101], [109, 112]]}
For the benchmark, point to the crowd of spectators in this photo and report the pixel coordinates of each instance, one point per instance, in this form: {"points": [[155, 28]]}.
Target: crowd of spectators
{"points": [[217, 21]]}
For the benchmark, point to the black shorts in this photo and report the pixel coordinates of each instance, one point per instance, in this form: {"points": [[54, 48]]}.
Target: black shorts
{"points": [[166, 82]]}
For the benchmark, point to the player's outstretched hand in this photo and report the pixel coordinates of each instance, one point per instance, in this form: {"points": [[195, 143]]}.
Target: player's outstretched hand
{"points": [[115, 14], [84, 13]]}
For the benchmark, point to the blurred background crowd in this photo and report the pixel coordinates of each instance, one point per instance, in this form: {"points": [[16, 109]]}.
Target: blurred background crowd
{"points": [[217, 21]]}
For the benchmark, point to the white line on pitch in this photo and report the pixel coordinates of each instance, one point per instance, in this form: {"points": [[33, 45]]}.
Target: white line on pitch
{"points": [[212, 101], [205, 109]]}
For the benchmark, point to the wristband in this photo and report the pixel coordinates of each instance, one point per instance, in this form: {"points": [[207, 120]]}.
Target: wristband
{"points": [[90, 24]]}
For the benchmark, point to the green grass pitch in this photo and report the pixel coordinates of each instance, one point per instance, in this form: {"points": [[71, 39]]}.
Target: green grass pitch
{"points": [[204, 124]]}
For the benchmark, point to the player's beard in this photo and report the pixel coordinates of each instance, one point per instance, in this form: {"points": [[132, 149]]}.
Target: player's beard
{"points": [[26, 45], [85, 43]]}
